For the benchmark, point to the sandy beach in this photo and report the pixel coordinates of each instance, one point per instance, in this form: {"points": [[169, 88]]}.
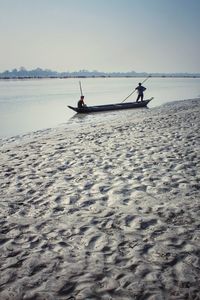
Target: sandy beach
{"points": [[106, 211]]}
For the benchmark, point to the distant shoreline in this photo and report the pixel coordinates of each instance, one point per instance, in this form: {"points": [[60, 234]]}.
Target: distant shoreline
{"points": [[85, 77], [23, 73]]}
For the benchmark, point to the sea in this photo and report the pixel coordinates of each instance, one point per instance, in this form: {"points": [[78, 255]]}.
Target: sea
{"points": [[30, 105]]}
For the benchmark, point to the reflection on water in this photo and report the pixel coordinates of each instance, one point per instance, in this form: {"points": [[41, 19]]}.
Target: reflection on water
{"points": [[30, 105], [105, 117]]}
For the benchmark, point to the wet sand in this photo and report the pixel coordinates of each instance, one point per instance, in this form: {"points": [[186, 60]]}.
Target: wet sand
{"points": [[108, 211]]}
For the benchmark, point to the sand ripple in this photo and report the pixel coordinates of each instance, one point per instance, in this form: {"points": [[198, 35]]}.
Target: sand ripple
{"points": [[108, 211]]}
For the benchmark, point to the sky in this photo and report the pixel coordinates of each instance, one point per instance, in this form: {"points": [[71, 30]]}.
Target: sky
{"points": [[104, 35]]}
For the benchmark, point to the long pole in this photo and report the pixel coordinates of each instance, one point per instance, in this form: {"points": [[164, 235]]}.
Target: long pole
{"points": [[81, 88], [135, 89]]}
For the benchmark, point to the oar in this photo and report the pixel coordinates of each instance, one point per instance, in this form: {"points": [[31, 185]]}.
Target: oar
{"points": [[81, 88], [135, 89]]}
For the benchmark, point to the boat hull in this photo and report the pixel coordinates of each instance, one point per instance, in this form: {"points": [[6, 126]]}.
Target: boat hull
{"points": [[110, 107]]}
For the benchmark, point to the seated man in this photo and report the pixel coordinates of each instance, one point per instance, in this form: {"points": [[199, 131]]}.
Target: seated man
{"points": [[81, 103]]}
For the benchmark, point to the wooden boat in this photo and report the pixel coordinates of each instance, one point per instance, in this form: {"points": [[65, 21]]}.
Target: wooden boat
{"points": [[108, 107]]}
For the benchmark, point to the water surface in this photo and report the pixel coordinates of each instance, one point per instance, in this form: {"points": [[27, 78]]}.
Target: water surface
{"points": [[31, 105]]}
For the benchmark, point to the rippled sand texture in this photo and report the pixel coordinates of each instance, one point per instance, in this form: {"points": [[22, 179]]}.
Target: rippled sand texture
{"points": [[110, 211]]}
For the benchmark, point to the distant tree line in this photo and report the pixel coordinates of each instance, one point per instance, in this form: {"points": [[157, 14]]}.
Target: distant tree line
{"points": [[22, 73]]}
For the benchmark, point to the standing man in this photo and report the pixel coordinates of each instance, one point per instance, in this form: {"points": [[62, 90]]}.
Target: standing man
{"points": [[140, 89]]}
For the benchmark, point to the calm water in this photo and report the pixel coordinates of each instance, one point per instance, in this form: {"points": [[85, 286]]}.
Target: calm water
{"points": [[31, 105]]}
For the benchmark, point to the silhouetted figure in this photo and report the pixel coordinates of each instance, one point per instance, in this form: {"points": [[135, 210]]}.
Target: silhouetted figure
{"points": [[81, 103], [140, 89]]}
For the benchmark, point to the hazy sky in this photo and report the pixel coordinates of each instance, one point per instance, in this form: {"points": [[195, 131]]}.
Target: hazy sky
{"points": [[104, 35]]}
